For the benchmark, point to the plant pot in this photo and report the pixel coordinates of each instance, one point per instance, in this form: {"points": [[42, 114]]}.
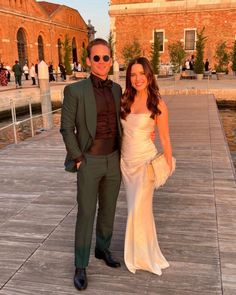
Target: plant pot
{"points": [[199, 77], [220, 76], [69, 77], [177, 76]]}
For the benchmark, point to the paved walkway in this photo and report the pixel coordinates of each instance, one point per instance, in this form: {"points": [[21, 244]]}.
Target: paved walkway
{"points": [[195, 213], [222, 89]]}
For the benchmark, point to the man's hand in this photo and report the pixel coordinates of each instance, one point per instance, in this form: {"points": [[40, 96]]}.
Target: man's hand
{"points": [[78, 164]]}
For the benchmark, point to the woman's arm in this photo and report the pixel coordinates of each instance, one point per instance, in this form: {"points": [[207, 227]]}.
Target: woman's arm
{"points": [[163, 130]]}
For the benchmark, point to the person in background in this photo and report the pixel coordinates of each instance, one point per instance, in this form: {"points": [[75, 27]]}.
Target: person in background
{"points": [[206, 65], [191, 63], [90, 126], [3, 75], [32, 74], [51, 72], [74, 69], [26, 71], [62, 71], [18, 73], [36, 71], [79, 68], [187, 65], [8, 73], [36, 67]]}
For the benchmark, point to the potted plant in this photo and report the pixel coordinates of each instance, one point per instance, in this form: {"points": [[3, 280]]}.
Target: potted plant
{"points": [[200, 45], [67, 56], [155, 54], [222, 58], [130, 51], [233, 58], [83, 57], [177, 56], [111, 44]]}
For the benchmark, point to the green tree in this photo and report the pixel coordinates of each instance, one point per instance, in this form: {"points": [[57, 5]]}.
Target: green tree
{"points": [[131, 51], [200, 46], [83, 57], [222, 57], [111, 44], [233, 57], [155, 54], [177, 55], [67, 54]]}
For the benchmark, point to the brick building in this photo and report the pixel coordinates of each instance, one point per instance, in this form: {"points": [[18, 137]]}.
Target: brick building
{"points": [[172, 20], [31, 31]]}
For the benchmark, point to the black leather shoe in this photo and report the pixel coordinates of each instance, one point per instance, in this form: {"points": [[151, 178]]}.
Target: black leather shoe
{"points": [[80, 279], [106, 256]]}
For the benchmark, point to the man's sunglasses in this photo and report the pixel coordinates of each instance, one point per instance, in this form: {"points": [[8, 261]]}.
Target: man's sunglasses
{"points": [[105, 58]]}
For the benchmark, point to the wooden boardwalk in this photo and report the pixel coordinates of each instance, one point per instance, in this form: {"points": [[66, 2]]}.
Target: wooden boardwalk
{"points": [[195, 215]]}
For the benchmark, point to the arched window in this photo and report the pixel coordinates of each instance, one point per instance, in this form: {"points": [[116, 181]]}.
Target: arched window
{"points": [[59, 45], [22, 47], [74, 50], [40, 48]]}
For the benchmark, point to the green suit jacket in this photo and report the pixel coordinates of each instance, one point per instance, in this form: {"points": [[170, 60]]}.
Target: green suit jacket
{"points": [[79, 118]]}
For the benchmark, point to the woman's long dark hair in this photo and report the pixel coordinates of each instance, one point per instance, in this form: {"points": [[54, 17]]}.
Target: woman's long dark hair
{"points": [[152, 89]]}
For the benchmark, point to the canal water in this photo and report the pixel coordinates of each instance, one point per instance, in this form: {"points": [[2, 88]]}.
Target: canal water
{"points": [[228, 119], [227, 115]]}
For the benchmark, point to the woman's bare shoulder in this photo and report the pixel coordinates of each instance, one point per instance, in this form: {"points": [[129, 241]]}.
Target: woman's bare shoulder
{"points": [[162, 105]]}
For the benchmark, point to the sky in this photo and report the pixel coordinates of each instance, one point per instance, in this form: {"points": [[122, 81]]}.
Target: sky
{"points": [[95, 10]]}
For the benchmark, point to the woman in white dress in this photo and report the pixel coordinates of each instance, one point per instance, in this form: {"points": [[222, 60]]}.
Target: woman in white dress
{"points": [[142, 110]]}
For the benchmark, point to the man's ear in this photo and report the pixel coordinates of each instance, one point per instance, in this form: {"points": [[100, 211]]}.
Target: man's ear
{"points": [[88, 62], [111, 61]]}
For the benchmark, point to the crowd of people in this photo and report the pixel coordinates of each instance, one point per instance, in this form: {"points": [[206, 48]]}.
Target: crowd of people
{"points": [[190, 62], [31, 71]]}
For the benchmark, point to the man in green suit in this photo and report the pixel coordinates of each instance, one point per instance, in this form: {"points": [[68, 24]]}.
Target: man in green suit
{"points": [[90, 126]]}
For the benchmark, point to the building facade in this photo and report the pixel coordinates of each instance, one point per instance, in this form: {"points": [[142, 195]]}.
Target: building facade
{"points": [[171, 21], [31, 31]]}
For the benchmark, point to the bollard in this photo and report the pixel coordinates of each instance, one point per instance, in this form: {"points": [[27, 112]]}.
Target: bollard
{"points": [[116, 71], [45, 97]]}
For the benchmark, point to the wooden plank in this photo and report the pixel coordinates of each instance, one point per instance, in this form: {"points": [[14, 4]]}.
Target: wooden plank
{"points": [[195, 215]]}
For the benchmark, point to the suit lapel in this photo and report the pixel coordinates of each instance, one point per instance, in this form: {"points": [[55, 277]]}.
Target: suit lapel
{"points": [[90, 108]]}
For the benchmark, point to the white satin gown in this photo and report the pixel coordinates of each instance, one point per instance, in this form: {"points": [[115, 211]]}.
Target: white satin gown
{"points": [[141, 246]]}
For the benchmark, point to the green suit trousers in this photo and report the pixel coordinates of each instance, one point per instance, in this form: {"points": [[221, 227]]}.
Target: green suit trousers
{"points": [[98, 181]]}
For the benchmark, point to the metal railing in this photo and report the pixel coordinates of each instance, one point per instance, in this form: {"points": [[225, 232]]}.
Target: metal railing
{"points": [[31, 118]]}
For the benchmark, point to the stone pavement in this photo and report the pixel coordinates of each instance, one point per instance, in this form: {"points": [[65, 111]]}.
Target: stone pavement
{"points": [[195, 214], [222, 90]]}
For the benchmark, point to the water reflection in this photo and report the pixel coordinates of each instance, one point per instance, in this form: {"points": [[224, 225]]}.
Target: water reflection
{"points": [[24, 128]]}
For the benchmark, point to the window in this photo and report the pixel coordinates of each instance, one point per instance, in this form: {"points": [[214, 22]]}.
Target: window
{"points": [[59, 46], [74, 50], [40, 48], [190, 39], [22, 47], [160, 36]]}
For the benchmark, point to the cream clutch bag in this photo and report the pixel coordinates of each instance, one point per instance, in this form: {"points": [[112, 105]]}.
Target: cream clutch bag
{"points": [[159, 170]]}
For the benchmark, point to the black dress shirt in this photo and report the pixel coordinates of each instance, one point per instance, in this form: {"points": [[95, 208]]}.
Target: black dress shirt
{"points": [[106, 137]]}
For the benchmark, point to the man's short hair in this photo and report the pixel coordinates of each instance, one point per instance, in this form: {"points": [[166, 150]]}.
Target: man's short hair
{"points": [[97, 41]]}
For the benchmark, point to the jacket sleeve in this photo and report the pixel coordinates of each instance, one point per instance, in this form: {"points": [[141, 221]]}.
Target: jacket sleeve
{"points": [[68, 123]]}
